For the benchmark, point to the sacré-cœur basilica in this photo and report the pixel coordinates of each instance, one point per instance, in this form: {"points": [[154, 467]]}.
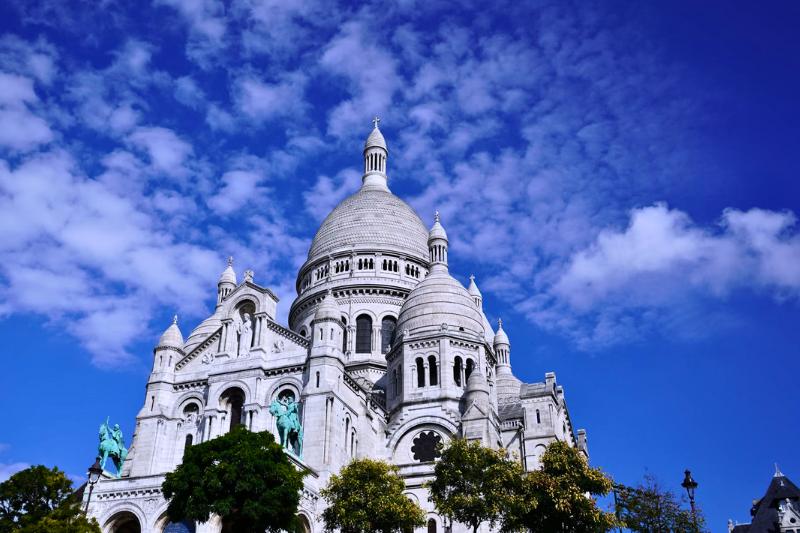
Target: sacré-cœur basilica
{"points": [[385, 356]]}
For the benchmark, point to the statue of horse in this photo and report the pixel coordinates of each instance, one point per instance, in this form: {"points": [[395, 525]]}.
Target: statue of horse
{"points": [[112, 445], [290, 431]]}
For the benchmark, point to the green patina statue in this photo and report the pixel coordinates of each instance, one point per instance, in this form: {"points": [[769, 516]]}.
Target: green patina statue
{"points": [[112, 444], [289, 429]]}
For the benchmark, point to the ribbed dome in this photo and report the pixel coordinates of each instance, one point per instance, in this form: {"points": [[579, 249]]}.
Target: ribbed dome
{"points": [[436, 300], [507, 384], [375, 139], [371, 218], [202, 331], [172, 337]]}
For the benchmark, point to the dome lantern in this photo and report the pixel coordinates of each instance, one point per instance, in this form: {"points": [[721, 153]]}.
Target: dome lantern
{"points": [[227, 282], [375, 155]]}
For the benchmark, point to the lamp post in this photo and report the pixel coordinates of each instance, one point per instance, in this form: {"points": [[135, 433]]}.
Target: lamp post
{"points": [[690, 485], [95, 471]]}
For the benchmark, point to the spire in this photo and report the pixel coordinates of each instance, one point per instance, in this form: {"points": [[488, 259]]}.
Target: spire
{"points": [[375, 154], [437, 244], [778, 472]]}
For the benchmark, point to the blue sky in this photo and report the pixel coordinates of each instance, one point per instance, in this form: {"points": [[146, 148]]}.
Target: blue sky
{"points": [[621, 179]]}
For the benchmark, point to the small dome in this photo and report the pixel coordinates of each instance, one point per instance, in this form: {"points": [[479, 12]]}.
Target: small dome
{"points": [[477, 383], [473, 289], [375, 139], [228, 275], [327, 309], [437, 230], [172, 337], [506, 384], [501, 337], [440, 302]]}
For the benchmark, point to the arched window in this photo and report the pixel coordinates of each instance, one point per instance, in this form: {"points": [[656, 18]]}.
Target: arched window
{"points": [[233, 401], [433, 370], [191, 411], [457, 367], [470, 366], [431, 525], [303, 332], [388, 324], [538, 417], [344, 335], [420, 372], [346, 431], [363, 334]]}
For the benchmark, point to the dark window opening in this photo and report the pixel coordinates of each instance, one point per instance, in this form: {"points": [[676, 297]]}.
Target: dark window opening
{"points": [[426, 446], [433, 370], [457, 371], [420, 372], [363, 334]]}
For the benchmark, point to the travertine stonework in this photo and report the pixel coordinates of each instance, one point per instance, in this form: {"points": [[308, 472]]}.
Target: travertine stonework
{"points": [[387, 352]]}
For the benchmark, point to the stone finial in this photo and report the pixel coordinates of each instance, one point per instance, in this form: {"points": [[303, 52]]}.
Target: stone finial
{"points": [[500, 323], [175, 319], [778, 472], [436, 216], [248, 275], [230, 260], [376, 120]]}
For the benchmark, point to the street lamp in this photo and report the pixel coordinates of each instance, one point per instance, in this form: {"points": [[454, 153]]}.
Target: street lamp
{"points": [[95, 471], [690, 485]]}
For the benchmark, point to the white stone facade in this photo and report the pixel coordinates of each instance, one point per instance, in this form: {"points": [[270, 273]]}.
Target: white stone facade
{"points": [[386, 351]]}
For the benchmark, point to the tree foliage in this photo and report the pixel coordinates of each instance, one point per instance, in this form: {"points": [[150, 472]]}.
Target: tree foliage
{"points": [[649, 508], [472, 483], [243, 477], [558, 497], [367, 495], [40, 500]]}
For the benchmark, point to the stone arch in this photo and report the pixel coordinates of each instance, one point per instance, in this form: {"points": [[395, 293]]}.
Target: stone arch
{"points": [[125, 519], [184, 400], [304, 523], [240, 302], [163, 525], [439, 424], [233, 399], [234, 383], [287, 382]]}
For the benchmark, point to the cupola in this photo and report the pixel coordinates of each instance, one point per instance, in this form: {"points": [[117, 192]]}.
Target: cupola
{"points": [[227, 282], [375, 155], [475, 292], [172, 337]]}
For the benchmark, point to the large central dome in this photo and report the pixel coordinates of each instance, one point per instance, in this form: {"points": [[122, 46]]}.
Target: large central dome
{"points": [[371, 218]]}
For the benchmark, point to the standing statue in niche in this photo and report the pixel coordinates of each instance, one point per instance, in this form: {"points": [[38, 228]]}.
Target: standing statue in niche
{"points": [[290, 431], [245, 331], [112, 444]]}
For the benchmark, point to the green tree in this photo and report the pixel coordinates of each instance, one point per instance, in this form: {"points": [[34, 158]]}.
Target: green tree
{"points": [[558, 497], [367, 495], [649, 508], [243, 477], [473, 484], [40, 499]]}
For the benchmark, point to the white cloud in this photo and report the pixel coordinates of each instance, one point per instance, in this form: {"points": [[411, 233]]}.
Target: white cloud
{"points": [[9, 469], [370, 71], [207, 27], [238, 188], [265, 101], [20, 129], [167, 151]]}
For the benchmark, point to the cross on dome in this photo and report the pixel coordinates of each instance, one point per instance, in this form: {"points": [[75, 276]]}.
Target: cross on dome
{"points": [[230, 260], [376, 120], [175, 319]]}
